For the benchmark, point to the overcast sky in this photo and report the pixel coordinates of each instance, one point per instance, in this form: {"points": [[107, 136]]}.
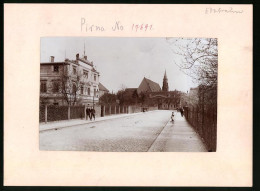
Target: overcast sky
{"points": [[121, 60]]}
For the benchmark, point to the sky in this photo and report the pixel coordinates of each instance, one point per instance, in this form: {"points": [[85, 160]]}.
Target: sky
{"points": [[122, 61]]}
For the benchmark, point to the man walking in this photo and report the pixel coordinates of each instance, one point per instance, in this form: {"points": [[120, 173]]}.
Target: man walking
{"points": [[182, 112], [90, 114], [87, 113], [93, 113]]}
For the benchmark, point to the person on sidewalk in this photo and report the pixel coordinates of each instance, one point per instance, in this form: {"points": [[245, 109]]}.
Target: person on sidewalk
{"points": [[90, 113], [87, 113], [182, 111], [172, 116], [93, 113]]}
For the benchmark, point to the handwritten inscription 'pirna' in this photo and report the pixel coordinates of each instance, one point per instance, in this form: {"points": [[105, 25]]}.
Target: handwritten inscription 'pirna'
{"points": [[92, 28], [116, 26]]}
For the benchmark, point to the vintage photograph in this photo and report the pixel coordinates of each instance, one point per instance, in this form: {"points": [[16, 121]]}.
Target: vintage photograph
{"points": [[128, 94]]}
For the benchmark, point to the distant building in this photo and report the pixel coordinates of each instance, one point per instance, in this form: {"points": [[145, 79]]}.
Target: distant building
{"points": [[102, 89], [155, 96], [191, 98], [71, 82], [148, 86]]}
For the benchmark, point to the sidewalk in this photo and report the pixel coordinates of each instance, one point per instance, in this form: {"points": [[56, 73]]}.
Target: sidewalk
{"points": [[73, 122], [178, 136]]}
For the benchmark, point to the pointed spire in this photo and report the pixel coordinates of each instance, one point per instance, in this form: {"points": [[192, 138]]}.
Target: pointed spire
{"points": [[165, 86], [165, 76]]}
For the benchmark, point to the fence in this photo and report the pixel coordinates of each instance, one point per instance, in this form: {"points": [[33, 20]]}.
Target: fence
{"points": [[77, 112], [113, 109], [204, 121], [56, 113]]}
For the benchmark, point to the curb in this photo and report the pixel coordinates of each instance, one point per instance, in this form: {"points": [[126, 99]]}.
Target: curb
{"points": [[53, 129]]}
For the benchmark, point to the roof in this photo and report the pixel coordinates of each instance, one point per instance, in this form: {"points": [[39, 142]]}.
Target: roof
{"points": [[86, 61], [102, 87], [53, 63], [154, 87]]}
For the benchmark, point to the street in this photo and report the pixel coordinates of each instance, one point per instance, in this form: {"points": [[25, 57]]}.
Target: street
{"points": [[144, 132]]}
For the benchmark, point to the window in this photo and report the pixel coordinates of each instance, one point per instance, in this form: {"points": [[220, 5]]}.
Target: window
{"points": [[56, 68], [85, 73], [81, 89], [95, 77], [43, 87], [74, 70], [55, 103], [55, 87], [95, 91], [88, 91]]}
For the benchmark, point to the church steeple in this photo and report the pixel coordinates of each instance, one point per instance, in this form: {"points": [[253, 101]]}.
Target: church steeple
{"points": [[165, 86]]}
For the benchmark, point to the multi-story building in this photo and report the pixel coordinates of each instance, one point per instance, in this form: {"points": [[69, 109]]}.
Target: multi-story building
{"points": [[72, 82]]}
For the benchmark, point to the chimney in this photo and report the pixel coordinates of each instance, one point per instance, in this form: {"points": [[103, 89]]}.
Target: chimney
{"points": [[85, 57], [77, 56], [52, 58]]}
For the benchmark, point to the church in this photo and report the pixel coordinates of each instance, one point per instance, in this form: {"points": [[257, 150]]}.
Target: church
{"points": [[153, 95]]}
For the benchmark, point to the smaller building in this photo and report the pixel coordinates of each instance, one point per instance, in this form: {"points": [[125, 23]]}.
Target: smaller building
{"points": [[190, 98], [102, 89]]}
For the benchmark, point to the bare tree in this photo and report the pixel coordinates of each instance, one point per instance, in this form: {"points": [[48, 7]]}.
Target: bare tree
{"points": [[71, 84], [122, 87], [199, 58]]}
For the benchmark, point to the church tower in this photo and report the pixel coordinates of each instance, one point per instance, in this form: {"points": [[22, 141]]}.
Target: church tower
{"points": [[165, 86]]}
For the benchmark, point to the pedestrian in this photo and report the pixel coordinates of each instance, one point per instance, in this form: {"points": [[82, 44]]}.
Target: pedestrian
{"points": [[90, 114], [172, 116], [93, 113], [182, 111], [87, 113]]}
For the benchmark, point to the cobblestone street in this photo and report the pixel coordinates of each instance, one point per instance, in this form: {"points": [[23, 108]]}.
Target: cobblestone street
{"points": [[150, 131]]}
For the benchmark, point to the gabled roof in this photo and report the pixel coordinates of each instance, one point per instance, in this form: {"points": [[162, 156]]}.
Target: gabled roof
{"points": [[154, 87], [102, 87]]}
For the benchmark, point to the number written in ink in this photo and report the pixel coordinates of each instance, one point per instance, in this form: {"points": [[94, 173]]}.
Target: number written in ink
{"points": [[141, 27]]}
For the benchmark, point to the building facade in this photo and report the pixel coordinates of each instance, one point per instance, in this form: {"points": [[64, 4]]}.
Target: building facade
{"points": [[154, 96], [72, 82]]}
